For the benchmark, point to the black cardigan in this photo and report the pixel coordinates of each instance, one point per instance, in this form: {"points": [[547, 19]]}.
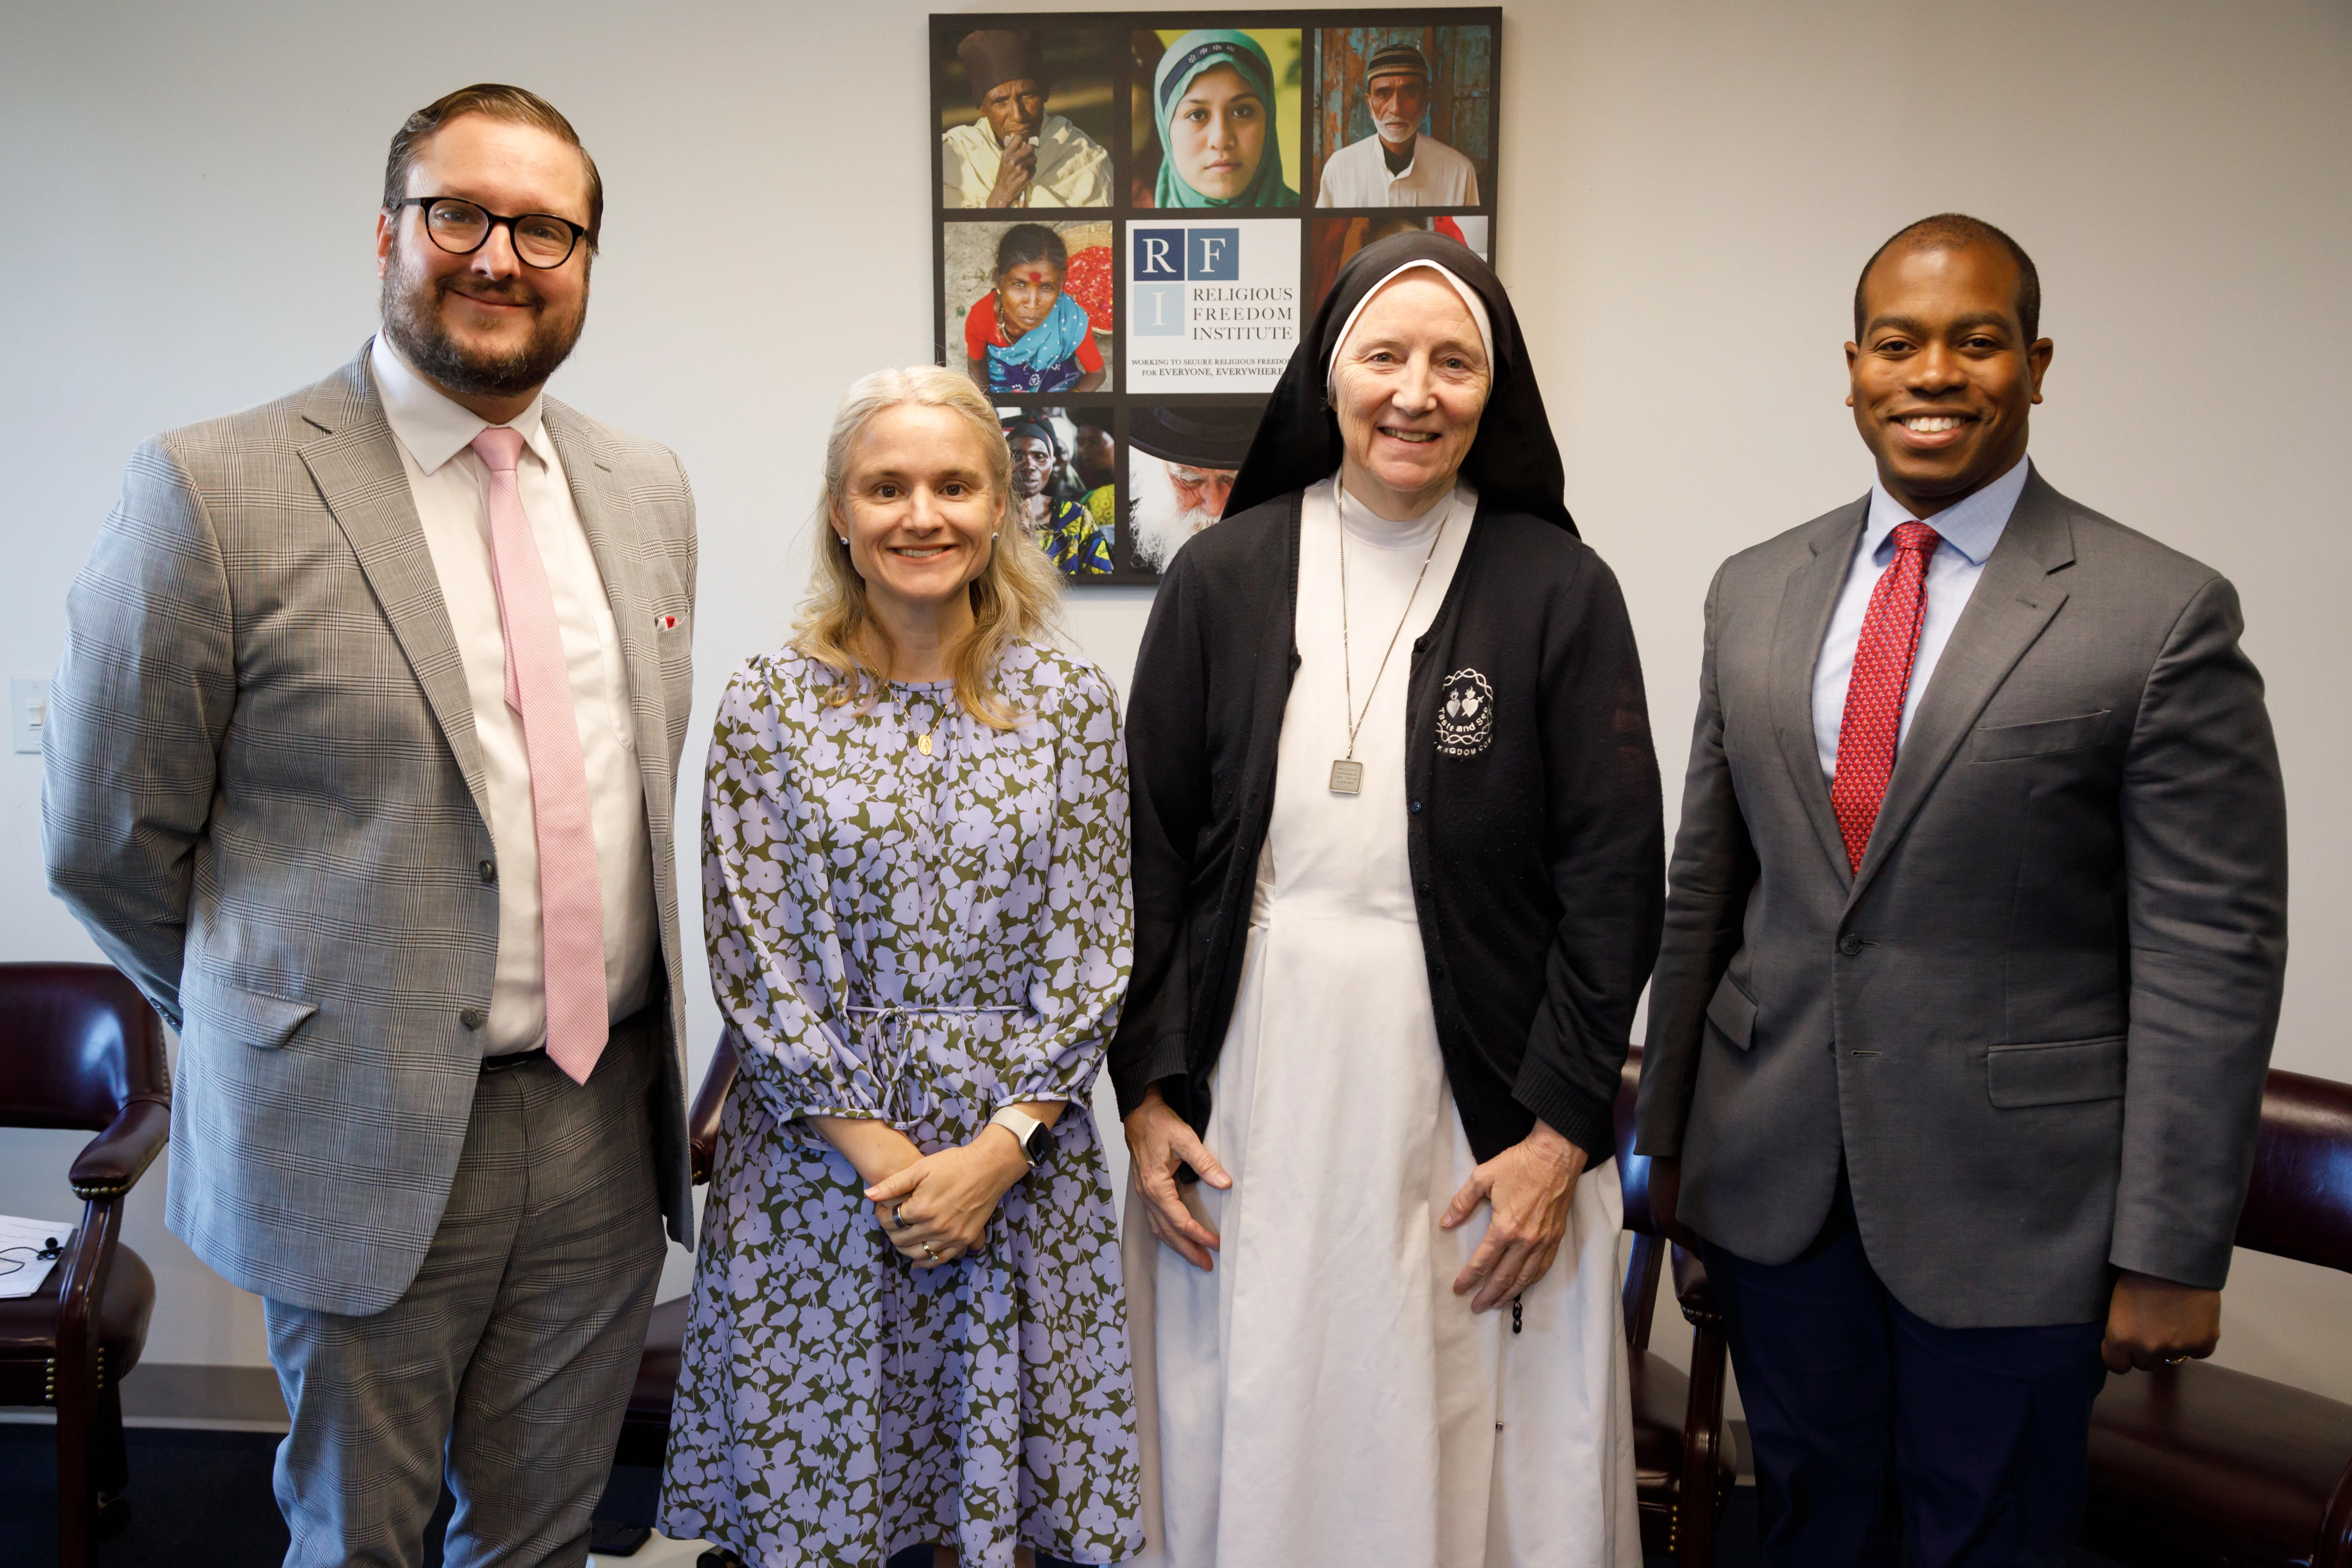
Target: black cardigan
{"points": [[1536, 843]]}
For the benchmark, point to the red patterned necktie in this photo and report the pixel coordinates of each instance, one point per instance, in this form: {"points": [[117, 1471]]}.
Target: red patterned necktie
{"points": [[1881, 674]]}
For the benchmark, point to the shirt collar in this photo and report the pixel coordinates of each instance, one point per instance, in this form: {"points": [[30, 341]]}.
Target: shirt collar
{"points": [[431, 428], [1972, 526]]}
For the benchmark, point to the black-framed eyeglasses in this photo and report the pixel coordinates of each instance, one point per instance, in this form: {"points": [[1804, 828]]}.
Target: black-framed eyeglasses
{"points": [[462, 228]]}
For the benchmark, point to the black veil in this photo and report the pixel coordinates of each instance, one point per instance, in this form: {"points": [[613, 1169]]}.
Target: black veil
{"points": [[1514, 462]]}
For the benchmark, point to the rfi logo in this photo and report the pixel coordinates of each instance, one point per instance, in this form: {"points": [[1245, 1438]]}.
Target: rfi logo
{"points": [[1165, 261], [1178, 254]]}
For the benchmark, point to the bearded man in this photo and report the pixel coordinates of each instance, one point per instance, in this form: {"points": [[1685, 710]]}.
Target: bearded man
{"points": [[1182, 470], [1398, 166], [361, 764]]}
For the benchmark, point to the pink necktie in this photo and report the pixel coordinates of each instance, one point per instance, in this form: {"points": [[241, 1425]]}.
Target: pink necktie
{"points": [[1873, 698], [539, 689]]}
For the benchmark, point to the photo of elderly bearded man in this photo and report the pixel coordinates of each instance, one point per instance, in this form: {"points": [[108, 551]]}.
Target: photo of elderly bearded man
{"points": [[1399, 165], [1180, 467]]}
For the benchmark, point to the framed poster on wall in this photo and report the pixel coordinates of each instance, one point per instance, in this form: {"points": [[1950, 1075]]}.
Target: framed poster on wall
{"points": [[1137, 211]]}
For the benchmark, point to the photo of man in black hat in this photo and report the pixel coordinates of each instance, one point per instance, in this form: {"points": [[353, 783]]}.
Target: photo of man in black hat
{"points": [[1181, 465], [1015, 155]]}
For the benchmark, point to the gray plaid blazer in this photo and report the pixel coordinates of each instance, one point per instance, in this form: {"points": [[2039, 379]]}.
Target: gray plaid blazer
{"points": [[264, 796]]}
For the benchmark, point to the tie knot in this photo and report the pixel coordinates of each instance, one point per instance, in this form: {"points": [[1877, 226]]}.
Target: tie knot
{"points": [[499, 447], [1915, 536]]}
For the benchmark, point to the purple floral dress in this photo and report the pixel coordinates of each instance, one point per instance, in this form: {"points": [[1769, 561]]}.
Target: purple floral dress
{"points": [[835, 1405]]}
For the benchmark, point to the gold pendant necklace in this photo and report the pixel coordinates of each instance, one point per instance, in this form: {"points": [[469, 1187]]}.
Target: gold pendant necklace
{"points": [[1346, 773]]}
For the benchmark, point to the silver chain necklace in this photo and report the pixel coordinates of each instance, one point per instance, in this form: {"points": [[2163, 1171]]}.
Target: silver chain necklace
{"points": [[1346, 773]]}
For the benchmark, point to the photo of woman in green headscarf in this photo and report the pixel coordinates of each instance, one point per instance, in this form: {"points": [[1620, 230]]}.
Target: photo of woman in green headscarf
{"points": [[1216, 100]]}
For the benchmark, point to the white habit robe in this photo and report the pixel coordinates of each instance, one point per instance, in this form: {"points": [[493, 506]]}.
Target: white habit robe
{"points": [[1322, 1399]]}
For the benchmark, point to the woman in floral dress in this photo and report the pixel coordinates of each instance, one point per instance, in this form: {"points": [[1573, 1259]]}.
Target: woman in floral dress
{"points": [[906, 1321]]}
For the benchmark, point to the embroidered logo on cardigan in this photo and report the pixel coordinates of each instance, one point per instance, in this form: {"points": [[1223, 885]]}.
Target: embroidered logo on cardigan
{"points": [[1465, 722]]}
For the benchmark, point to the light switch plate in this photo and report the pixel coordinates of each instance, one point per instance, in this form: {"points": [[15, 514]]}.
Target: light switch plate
{"points": [[28, 711]]}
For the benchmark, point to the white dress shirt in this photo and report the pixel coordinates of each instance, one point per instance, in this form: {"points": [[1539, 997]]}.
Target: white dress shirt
{"points": [[445, 479], [1072, 171], [1357, 175], [1969, 529]]}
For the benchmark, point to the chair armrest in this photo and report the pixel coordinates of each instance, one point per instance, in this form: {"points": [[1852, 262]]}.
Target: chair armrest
{"points": [[119, 1157], [1704, 1485], [1694, 1294], [710, 1101]]}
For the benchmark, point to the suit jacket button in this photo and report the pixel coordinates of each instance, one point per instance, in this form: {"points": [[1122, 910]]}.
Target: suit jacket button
{"points": [[490, 873], [472, 1018], [1849, 945], [1415, 808]]}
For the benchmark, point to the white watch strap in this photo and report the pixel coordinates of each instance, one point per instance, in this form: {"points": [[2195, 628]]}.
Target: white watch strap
{"points": [[1018, 1122]]}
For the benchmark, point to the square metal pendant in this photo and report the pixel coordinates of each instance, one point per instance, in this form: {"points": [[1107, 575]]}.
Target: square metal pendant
{"points": [[1347, 777]]}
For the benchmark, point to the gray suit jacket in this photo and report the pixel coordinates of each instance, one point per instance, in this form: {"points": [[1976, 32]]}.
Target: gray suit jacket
{"points": [[2036, 1023], [264, 796]]}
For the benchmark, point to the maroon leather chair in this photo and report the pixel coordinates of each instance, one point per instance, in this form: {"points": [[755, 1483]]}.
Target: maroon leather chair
{"points": [[2198, 1465], [1684, 1462], [81, 1047]]}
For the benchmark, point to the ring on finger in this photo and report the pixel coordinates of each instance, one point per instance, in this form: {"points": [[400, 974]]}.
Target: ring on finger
{"points": [[931, 1253], [899, 1220]]}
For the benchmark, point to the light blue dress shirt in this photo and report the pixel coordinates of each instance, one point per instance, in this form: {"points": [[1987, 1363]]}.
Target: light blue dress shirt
{"points": [[1969, 530]]}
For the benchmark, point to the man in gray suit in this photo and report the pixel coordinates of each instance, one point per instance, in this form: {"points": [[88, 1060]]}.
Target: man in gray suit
{"points": [[362, 765], [1972, 958]]}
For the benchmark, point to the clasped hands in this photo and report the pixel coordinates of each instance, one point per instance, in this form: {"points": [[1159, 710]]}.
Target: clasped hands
{"points": [[934, 1208], [1529, 1186]]}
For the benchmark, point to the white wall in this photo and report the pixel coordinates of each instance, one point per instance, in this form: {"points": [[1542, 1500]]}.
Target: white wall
{"points": [[1687, 191]]}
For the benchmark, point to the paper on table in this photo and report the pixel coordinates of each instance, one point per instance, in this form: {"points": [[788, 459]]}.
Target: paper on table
{"points": [[20, 1239]]}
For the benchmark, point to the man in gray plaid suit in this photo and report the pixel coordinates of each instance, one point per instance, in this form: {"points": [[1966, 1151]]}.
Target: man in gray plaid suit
{"points": [[362, 763]]}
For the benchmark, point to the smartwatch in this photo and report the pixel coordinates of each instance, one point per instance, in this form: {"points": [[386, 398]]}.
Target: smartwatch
{"points": [[1033, 1136]]}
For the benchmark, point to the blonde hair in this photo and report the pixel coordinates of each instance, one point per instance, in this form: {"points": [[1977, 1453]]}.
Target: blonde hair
{"points": [[1017, 596]]}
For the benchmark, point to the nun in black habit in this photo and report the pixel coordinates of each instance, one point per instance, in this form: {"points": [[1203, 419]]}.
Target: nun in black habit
{"points": [[1399, 868]]}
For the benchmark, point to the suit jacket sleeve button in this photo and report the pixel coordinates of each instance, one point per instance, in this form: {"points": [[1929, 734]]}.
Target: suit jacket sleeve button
{"points": [[490, 873], [1849, 945], [472, 1018], [1416, 808]]}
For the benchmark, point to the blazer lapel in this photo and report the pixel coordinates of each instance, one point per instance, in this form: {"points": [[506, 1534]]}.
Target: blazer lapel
{"points": [[1806, 604], [358, 471], [2014, 599], [613, 539]]}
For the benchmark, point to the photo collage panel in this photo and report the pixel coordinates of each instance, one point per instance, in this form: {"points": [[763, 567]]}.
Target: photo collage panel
{"points": [[1135, 223]]}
